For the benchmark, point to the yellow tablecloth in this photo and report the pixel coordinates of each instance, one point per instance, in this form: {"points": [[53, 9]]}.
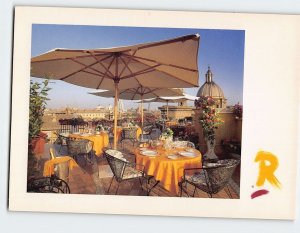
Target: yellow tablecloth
{"points": [[120, 129], [171, 123], [169, 172], [99, 141], [50, 164]]}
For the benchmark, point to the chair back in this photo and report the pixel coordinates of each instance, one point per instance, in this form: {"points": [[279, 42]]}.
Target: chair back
{"points": [[129, 133], [148, 129], [219, 174], [79, 146], [178, 131], [116, 162], [47, 185], [52, 153], [60, 139], [183, 144]]}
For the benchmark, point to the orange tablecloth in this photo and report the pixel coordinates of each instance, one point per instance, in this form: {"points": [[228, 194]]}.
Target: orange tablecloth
{"points": [[100, 141], [169, 172], [119, 133], [50, 164]]}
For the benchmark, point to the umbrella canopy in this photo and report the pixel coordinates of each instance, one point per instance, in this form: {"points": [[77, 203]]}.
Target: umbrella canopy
{"points": [[141, 93], [173, 62], [172, 99], [168, 63]]}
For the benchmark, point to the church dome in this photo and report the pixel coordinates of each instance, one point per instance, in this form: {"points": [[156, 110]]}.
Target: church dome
{"points": [[210, 88]]}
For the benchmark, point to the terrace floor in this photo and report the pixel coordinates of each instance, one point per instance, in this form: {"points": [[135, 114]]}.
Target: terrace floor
{"points": [[95, 178]]}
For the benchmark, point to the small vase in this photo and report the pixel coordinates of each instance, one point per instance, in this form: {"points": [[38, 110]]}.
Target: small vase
{"points": [[210, 153]]}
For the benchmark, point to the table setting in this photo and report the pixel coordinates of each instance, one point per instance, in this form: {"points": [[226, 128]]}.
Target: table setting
{"points": [[166, 164]]}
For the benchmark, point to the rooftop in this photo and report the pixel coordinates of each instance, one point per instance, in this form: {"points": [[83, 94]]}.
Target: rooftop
{"points": [[95, 178]]}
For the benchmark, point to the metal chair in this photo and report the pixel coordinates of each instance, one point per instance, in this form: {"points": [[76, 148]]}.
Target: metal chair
{"points": [[178, 131], [211, 178], [183, 144], [60, 140], [124, 170], [78, 147], [47, 185], [147, 131], [129, 134], [111, 140]]}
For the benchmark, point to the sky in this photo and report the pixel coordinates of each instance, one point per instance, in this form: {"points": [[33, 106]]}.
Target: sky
{"points": [[222, 50]]}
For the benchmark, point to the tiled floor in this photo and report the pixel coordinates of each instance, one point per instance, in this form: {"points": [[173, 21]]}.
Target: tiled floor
{"points": [[95, 178]]}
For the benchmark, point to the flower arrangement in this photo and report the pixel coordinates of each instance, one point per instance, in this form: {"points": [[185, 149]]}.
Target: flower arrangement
{"points": [[99, 128], [238, 111], [168, 133], [131, 124], [167, 138], [210, 119], [38, 102]]}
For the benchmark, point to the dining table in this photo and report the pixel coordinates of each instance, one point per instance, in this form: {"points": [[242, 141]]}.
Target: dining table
{"points": [[49, 165], [100, 140], [167, 165]]}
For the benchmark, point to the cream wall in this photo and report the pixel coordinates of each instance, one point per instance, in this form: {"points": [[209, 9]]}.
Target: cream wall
{"points": [[177, 112]]}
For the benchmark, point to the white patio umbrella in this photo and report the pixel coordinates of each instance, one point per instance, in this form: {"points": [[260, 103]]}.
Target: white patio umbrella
{"points": [[172, 99], [141, 93], [170, 63]]}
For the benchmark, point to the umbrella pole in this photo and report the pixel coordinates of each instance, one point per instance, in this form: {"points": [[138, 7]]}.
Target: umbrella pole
{"points": [[142, 113], [167, 110], [116, 113]]}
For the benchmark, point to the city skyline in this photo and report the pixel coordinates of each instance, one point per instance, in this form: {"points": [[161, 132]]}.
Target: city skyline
{"points": [[222, 50]]}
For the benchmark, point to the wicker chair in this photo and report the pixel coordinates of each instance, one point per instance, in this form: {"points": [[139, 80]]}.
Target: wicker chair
{"points": [[129, 134], [60, 140], [111, 140], [178, 131], [183, 144], [47, 185], [123, 170], [160, 125], [147, 131], [211, 178], [78, 147]]}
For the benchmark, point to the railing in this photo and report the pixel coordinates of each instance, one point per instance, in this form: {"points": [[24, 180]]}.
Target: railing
{"points": [[72, 128]]}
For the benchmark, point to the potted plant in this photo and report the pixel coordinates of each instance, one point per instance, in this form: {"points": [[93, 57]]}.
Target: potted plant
{"points": [[37, 104], [209, 121], [99, 128], [238, 111], [167, 137]]}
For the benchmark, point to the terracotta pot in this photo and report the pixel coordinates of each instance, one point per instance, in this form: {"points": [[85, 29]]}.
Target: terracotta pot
{"points": [[38, 145]]}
